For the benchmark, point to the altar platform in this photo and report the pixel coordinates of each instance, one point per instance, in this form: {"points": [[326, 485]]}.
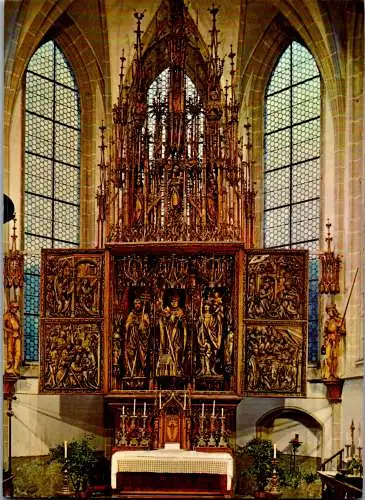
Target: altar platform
{"points": [[176, 471]]}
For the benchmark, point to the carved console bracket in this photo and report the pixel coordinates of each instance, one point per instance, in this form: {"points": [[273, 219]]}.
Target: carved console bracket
{"points": [[334, 389]]}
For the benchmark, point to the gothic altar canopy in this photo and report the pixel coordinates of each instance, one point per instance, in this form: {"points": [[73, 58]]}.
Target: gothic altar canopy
{"points": [[175, 302]]}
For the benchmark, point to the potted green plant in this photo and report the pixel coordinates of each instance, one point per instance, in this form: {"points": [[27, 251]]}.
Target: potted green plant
{"points": [[80, 462], [260, 470]]}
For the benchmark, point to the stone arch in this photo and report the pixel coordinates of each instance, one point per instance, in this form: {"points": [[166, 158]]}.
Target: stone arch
{"points": [[319, 38], [291, 421], [91, 82]]}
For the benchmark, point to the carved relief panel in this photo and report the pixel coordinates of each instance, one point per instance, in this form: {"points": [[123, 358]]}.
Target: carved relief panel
{"points": [[276, 322], [173, 321], [71, 321]]}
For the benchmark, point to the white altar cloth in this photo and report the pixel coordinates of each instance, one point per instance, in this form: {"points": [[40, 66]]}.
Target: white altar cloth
{"points": [[172, 461]]}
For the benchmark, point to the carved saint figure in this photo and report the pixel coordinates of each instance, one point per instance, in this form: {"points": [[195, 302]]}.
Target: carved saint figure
{"points": [[137, 328], [334, 329], [13, 339], [87, 295], [212, 200], [139, 204], [173, 338], [289, 300], [210, 333], [176, 184], [228, 352]]}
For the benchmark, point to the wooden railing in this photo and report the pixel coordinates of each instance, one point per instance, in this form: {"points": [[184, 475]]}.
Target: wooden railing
{"points": [[328, 463], [335, 487]]}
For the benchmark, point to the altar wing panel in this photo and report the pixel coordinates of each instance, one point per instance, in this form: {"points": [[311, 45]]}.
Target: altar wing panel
{"points": [[71, 321], [276, 322]]}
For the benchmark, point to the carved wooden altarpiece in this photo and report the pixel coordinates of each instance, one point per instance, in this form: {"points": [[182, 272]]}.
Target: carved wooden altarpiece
{"points": [[175, 318]]}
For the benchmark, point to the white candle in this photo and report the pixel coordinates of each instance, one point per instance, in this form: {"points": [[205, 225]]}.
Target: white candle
{"points": [[213, 408], [123, 410], [203, 410], [65, 447], [160, 401], [274, 450], [134, 407], [222, 412], [144, 409], [184, 400]]}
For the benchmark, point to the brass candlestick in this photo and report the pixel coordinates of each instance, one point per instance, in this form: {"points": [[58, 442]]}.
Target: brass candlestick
{"points": [[211, 441], [66, 490], [144, 440], [222, 440], [201, 441], [274, 481], [123, 440]]}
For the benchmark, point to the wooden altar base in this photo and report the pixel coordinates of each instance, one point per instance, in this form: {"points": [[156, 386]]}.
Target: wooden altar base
{"points": [[168, 496], [168, 484]]}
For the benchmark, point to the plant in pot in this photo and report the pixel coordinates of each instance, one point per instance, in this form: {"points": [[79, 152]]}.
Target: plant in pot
{"points": [[80, 462], [260, 470]]}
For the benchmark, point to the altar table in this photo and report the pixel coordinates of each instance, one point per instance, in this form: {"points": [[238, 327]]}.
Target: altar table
{"points": [[172, 462]]}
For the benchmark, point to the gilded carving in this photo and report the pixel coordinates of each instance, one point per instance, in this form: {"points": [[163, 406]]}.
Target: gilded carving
{"points": [[179, 326], [87, 297], [276, 287], [71, 357], [275, 344], [173, 337], [210, 333], [73, 286], [334, 331], [13, 337], [137, 333], [274, 359]]}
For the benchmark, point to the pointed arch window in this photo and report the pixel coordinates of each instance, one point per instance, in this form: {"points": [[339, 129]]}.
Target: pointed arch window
{"points": [[292, 165], [51, 172]]}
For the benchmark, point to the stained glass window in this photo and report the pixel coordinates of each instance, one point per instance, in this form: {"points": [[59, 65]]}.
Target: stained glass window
{"points": [[292, 165], [51, 172]]}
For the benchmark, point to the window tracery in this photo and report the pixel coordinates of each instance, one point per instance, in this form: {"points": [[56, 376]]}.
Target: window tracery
{"points": [[292, 165], [51, 172]]}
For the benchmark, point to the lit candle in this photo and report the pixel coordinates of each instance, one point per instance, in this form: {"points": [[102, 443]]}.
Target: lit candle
{"points": [[65, 447], [134, 407], [274, 450], [123, 410], [203, 410], [222, 412], [160, 401], [213, 408], [144, 409], [184, 400]]}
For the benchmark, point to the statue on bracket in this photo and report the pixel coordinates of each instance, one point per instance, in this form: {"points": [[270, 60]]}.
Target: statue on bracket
{"points": [[13, 337], [334, 330]]}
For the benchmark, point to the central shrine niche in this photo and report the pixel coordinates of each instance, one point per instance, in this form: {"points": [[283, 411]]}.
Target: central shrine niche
{"points": [[173, 321]]}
